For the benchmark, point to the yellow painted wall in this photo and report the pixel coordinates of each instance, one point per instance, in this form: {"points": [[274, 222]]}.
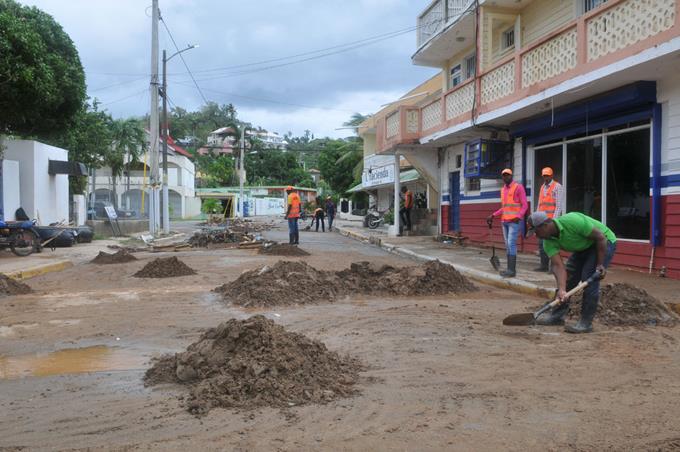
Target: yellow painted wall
{"points": [[369, 144], [542, 17], [454, 60]]}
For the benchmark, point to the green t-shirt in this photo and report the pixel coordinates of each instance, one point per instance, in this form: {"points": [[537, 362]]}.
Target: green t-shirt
{"points": [[575, 228]]}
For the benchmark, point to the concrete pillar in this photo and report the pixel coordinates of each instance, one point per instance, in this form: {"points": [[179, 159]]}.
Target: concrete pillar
{"points": [[394, 230]]}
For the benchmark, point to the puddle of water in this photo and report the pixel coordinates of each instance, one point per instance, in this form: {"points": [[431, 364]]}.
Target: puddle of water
{"points": [[70, 361]]}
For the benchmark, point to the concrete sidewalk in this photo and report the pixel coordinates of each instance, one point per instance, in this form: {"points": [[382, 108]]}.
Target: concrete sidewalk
{"points": [[474, 263]]}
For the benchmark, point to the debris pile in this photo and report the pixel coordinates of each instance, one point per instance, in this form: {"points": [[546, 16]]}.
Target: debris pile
{"points": [[119, 257], [253, 363], [167, 267], [625, 305], [10, 286], [207, 236], [282, 249], [286, 283]]}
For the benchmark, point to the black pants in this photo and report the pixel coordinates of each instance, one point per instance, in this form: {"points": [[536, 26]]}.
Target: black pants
{"points": [[405, 215], [319, 219]]}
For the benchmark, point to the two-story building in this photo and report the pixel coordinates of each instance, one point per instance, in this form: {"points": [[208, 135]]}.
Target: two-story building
{"points": [[588, 87], [130, 191]]}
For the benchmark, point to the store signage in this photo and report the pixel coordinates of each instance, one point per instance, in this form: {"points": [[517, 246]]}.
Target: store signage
{"points": [[378, 176]]}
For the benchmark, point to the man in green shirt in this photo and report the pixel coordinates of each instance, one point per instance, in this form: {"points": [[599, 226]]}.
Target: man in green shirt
{"points": [[592, 245]]}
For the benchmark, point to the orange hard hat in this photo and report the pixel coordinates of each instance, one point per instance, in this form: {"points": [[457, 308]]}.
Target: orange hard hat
{"points": [[290, 188], [547, 171], [507, 171]]}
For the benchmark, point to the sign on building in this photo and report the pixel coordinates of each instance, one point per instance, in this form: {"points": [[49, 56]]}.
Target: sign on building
{"points": [[378, 176]]}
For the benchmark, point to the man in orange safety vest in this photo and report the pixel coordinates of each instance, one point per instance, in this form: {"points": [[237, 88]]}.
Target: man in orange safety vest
{"points": [[293, 215], [550, 201]]}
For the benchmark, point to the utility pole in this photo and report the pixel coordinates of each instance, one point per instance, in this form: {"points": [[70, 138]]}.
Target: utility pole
{"points": [[166, 205], [240, 173], [153, 126]]}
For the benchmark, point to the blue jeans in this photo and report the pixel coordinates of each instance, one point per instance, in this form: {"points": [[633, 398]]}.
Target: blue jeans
{"points": [[510, 233], [292, 225], [330, 221], [581, 265]]}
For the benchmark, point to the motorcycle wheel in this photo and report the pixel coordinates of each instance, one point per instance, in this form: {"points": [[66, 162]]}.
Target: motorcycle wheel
{"points": [[373, 223], [24, 242]]}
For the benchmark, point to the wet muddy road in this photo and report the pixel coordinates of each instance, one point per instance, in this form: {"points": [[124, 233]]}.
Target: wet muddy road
{"points": [[442, 372]]}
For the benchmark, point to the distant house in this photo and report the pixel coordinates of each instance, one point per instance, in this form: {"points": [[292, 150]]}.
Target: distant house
{"points": [[220, 141], [130, 191], [270, 140], [316, 175]]}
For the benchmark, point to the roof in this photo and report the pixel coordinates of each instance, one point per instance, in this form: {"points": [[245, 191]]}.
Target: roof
{"points": [[178, 149], [404, 176]]}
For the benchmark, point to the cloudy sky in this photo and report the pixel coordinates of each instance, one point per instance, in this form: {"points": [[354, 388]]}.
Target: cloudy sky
{"points": [[113, 39]]}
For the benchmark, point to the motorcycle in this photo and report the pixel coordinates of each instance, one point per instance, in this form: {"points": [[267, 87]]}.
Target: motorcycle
{"points": [[374, 218], [21, 237]]}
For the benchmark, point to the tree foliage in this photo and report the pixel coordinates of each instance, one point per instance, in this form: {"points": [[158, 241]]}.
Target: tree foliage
{"points": [[200, 123], [41, 77], [274, 167], [337, 162]]}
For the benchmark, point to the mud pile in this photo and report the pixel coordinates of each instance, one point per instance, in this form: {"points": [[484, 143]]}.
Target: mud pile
{"points": [[9, 286], [282, 249], [207, 236], [255, 363], [624, 305], [119, 257], [286, 283], [165, 267]]}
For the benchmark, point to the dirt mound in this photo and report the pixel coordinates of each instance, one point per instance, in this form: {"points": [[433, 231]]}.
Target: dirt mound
{"points": [[283, 249], [119, 257], [283, 283], [254, 363], [165, 267], [624, 305], [9, 286], [286, 283]]}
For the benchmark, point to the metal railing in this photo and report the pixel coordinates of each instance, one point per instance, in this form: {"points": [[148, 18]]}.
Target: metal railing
{"points": [[437, 15]]}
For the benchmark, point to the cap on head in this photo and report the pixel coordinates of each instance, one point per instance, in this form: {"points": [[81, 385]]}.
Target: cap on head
{"points": [[536, 219], [290, 188], [547, 171], [506, 171]]}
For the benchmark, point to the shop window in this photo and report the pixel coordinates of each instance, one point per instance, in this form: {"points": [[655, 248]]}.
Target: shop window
{"points": [[584, 177], [486, 158], [628, 202], [473, 184], [592, 4]]}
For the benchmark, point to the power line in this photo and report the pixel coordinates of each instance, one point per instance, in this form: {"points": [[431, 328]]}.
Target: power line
{"points": [[270, 100], [183, 60], [117, 84], [125, 98]]}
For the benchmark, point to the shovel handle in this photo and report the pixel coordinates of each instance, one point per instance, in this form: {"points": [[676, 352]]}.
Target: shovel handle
{"points": [[582, 285]]}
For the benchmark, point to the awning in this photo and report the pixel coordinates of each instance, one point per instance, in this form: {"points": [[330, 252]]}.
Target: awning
{"points": [[404, 177]]}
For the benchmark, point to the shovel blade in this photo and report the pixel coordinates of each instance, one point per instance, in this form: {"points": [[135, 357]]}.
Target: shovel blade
{"points": [[495, 263], [526, 318]]}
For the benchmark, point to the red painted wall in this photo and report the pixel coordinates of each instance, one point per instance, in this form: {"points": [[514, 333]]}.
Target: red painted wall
{"points": [[628, 254]]}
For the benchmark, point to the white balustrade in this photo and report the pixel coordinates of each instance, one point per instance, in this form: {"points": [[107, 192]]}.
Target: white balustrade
{"points": [[460, 101], [498, 83], [550, 59], [432, 115], [412, 120], [393, 123]]}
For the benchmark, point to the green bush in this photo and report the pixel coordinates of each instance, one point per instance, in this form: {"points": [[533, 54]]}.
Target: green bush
{"points": [[389, 217], [211, 206]]}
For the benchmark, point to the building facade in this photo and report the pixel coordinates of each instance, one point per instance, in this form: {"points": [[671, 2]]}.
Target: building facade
{"points": [[588, 87]]}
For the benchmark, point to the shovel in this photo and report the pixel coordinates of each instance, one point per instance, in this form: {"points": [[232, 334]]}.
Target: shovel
{"points": [[528, 318], [495, 262]]}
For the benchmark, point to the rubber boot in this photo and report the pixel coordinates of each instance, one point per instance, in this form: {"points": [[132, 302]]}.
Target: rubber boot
{"points": [[512, 265], [585, 323], [296, 236], [545, 264], [291, 238], [554, 317]]}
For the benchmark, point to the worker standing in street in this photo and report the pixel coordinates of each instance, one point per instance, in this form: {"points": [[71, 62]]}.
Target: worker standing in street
{"points": [[550, 201], [407, 205], [293, 215], [592, 245], [513, 208], [330, 212]]}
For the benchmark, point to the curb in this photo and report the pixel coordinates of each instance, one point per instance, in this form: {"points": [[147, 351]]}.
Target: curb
{"points": [[40, 270], [514, 284]]}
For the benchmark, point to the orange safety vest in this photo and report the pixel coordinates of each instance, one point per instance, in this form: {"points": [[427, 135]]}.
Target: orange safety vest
{"points": [[546, 199], [294, 202], [510, 207], [408, 200]]}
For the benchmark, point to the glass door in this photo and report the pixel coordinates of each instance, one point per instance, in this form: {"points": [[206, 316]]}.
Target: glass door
{"points": [[584, 177]]}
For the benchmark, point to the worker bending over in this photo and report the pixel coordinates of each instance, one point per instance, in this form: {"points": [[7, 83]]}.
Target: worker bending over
{"points": [[592, 245]]}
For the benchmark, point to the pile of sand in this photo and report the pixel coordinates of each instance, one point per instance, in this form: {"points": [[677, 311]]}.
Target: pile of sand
{"points": [[9, 286], [165, 267], [119, 257], [286, 283], [282, 249], [254, 363], [624, 305]]}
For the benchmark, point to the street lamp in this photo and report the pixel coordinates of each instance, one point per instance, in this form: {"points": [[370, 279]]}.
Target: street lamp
{"points": [[164, 135]]}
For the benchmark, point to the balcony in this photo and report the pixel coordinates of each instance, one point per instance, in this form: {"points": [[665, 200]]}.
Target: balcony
{"points": [[438, 17], [616, 30]]}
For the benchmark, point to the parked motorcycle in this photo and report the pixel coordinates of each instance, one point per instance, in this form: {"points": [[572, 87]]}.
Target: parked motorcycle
{"points": [[21, 237], [374, 219]]}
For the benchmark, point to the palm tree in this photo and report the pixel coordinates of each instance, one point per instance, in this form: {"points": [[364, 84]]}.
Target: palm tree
{"points": [[355, 120], [128, 144]]}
